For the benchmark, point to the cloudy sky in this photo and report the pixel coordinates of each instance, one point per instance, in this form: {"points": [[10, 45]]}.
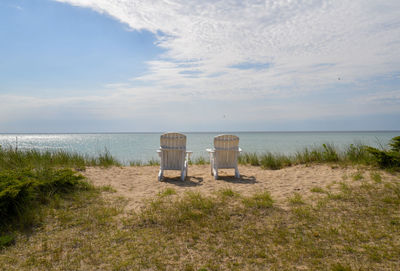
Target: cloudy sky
{"points": [[205, 65]]}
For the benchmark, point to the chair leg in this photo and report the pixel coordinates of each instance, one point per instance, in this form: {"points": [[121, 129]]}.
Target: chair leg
{"points": [[212, 165], [183, 175], [160, 175], [184, 172], [215, 173], [237, 174]]}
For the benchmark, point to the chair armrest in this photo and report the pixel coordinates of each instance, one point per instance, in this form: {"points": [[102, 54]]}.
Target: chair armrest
{"points": [[240, 149], [210, 150]]}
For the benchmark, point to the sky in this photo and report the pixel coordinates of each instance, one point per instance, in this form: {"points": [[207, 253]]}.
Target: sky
{"points": [[209, 65]]}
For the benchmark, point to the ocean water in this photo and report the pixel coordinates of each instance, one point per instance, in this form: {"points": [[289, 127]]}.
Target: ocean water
{"points": [[128, 147]]}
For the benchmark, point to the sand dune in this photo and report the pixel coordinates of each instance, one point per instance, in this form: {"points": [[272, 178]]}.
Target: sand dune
{"points": [[139, 183]]}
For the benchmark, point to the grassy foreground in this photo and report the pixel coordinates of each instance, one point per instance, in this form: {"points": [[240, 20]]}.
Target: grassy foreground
{"points": [[355, 228], [50, 218]]}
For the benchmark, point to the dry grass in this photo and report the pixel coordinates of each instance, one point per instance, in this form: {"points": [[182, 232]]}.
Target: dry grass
{"points": [[355, 228]]}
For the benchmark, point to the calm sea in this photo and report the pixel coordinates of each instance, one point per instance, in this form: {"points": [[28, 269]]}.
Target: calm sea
{"points": [[142, 146]]}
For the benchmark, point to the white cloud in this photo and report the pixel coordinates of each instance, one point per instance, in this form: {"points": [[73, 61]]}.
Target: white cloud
{"points": [[361, 38], [204, 39], [306, 46], [385, 98]]}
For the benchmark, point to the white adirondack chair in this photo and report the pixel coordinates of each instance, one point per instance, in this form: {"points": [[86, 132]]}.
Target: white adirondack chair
{"points": [[225, 154], [173, 154]]}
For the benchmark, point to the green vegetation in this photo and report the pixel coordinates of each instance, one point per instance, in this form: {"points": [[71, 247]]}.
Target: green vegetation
{"points": [[387, 158], [269, 161], [167, 192], [354, 154], [139, 163], [376, 177], [200, 160], [353, 228], [249, 159], [14, 159], [317, 189], [136, 163], [259, 200], [51, 219], [23, 190], [296, 199], [358, 176], [30, 179]]}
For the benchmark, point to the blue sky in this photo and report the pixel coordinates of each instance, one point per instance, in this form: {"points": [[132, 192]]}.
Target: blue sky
{"points": [[136, 65]]}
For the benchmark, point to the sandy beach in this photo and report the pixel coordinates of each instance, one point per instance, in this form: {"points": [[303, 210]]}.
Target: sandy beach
{"points": [[139, 183]]}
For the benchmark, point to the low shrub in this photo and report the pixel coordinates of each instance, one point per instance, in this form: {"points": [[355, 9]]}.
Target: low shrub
{"points": [[387, 158], [20, 189]]}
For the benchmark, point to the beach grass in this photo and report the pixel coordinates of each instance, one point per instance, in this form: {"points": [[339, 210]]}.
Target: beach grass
{"points": [[30, 179], [11, 158], [353, 228], [198, 160], [354, 154]]}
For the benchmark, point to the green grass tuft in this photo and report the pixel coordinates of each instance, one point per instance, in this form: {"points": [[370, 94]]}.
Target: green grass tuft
{"points": [[228, 192], [358, 176], [296, 199], [260, 200], [167, 192], [375, 176], [153, 162], [317, 189]]}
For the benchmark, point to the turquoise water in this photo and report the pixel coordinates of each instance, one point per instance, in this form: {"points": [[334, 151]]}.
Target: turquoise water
{"points": [[142, 146]]}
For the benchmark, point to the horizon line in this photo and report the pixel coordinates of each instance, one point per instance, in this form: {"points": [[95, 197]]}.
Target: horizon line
{"points": [[202, 132]]}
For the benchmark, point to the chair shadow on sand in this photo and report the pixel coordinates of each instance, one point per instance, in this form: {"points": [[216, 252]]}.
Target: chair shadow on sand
{"points": [[243, 179], [189, 182]]}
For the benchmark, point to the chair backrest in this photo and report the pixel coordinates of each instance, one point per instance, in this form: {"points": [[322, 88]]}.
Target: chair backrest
{"points": [[226, 150], [173, 147]]}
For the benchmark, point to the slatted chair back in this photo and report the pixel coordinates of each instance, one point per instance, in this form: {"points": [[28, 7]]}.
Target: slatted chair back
{"points": [[226, 151], [173, 147]]}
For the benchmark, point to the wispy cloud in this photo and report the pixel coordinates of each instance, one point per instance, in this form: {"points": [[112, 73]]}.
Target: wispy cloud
{"points": [[384, 98], [226, 53], [360, 37]]}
